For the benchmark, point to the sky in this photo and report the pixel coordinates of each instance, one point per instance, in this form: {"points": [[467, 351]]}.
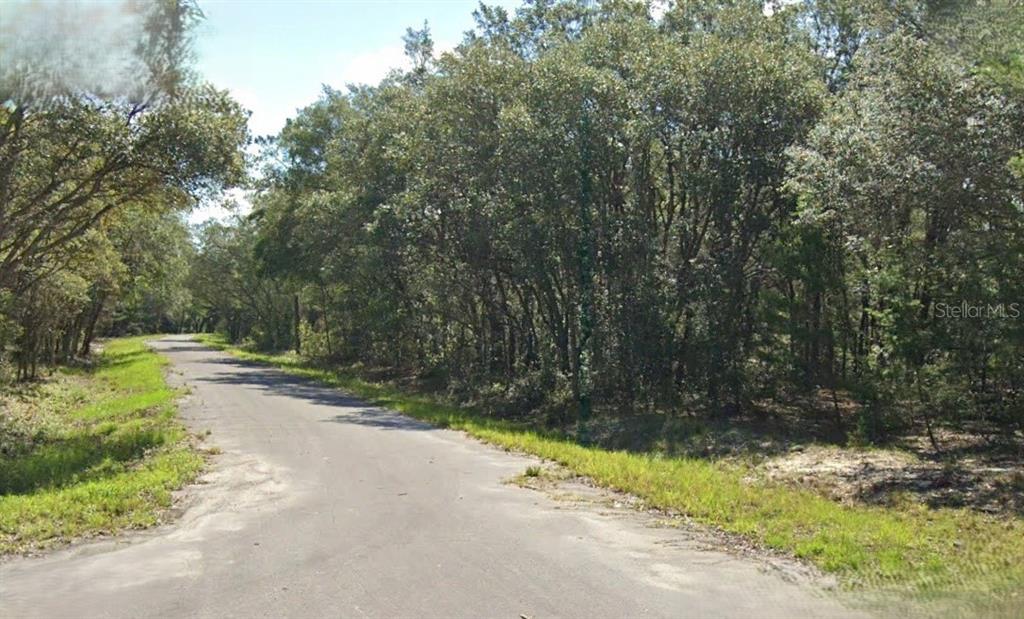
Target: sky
{"points": [[274, 56]]}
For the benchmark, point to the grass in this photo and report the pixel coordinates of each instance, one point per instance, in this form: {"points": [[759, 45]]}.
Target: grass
{"points": [[91, 451], [947, 556]]}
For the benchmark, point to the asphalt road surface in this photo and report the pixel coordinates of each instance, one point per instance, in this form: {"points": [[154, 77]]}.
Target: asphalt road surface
{"points": [[321, 506]]}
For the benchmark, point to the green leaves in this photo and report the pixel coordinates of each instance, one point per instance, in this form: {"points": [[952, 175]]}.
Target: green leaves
{"points": [[721, 203], [84, 171]]}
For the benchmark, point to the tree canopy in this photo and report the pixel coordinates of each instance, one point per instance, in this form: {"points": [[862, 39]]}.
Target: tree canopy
{"points": [[710, 207], [94, 179], [583, 205]]}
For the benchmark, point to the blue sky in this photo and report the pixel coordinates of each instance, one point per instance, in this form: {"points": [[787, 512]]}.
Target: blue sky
{"points": [[273, 56]]}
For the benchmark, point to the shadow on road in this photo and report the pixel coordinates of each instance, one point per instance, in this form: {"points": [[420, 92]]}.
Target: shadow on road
{"points": [[247, 373], [380, 418], [172, 346]]}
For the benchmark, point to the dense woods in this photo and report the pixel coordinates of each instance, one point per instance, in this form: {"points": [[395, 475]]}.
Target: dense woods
{"points": [[95, 179], [748, 272], [584, 208]]}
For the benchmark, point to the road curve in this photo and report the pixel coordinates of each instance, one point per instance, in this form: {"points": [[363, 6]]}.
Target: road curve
{"points": [[321, 506]]}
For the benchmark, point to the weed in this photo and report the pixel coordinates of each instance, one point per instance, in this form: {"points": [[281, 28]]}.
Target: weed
{"points": [[908, 548], [97, 450]]}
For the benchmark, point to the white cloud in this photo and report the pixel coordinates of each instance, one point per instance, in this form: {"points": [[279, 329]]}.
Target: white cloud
{"points": [[269, 112], [370, 67], [231, 202], [261, 120]]}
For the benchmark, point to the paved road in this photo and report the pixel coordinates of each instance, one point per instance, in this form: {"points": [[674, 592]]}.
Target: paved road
{"points": [[323, 507]]}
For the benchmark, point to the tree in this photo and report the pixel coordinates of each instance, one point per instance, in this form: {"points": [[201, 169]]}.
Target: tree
{"points": [[908, 175], [583, 207], [77, 154]]}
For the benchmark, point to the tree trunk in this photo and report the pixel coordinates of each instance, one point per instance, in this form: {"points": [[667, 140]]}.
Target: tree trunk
{"points": [[297, 319], [90, 326]]}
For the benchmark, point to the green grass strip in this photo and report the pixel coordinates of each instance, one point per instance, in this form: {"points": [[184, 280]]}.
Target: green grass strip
{"points": [[931, 554], [108, 456]]}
